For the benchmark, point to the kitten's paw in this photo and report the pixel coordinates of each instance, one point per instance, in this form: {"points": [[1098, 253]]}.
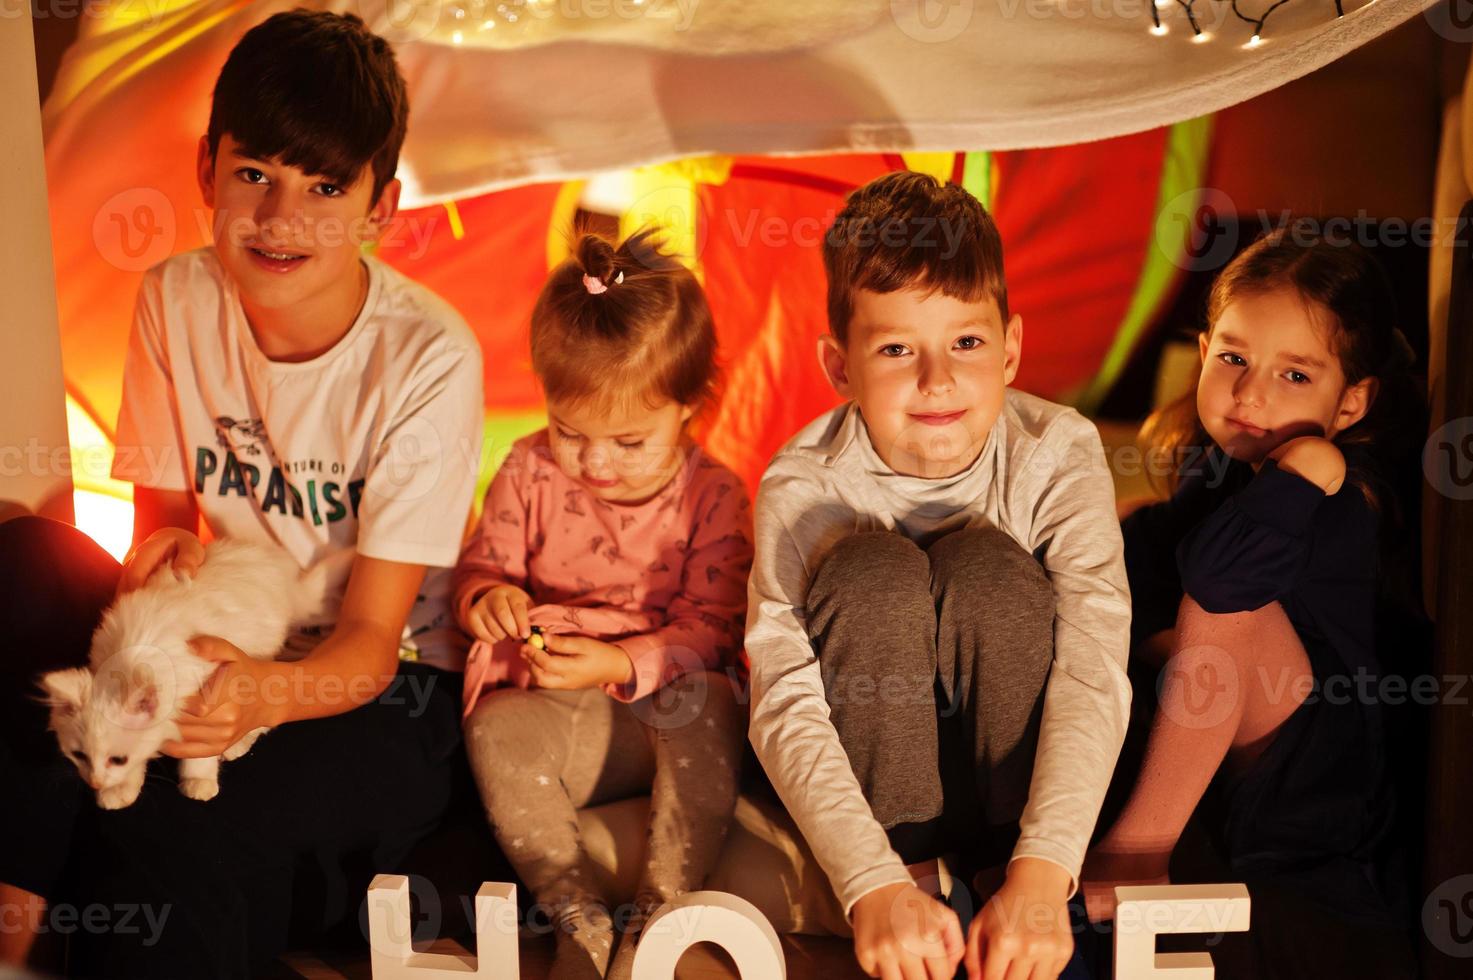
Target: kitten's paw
{"points": [[243, 746], [200, 789], [117, 797]]}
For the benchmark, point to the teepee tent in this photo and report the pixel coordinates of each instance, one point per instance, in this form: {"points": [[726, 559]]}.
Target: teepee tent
{"points": [[739, 127]]}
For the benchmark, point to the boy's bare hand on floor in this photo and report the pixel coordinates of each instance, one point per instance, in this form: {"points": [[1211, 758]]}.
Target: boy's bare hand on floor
{"points": [[1023, 930], [901, 933]]}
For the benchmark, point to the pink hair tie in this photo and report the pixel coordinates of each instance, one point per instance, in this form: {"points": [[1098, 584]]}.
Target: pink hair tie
{"points": [[595, 285]]}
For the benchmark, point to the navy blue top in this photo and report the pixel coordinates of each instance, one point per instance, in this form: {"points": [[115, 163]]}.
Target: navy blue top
{"points": [[1315, 805], [1234, 541]]}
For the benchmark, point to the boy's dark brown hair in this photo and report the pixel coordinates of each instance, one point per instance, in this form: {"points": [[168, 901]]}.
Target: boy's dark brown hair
{"points": [[624, 323], [314, 90], [906, 230]]}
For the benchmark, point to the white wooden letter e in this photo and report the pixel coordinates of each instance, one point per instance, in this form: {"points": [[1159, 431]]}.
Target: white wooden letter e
{"points": [[1144, 912]]}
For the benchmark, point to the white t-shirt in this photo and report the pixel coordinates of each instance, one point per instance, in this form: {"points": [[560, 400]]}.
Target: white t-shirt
{"points": [[373, 445]]}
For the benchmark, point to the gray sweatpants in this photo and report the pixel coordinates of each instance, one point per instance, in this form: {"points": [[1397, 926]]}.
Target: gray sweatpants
{"points": [[538, 756], [934, 663]]}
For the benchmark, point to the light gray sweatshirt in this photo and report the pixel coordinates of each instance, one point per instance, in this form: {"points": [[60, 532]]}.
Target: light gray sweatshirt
{"points": [[1042, 479]]}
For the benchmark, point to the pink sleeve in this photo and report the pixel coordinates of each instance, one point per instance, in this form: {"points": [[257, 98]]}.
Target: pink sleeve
{"points": [[703, 623], [496, 553]]}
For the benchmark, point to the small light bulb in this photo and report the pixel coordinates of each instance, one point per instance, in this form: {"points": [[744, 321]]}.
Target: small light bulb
{"points": [[1254, 41], [456, 37], [1202, 38], [1159, 30]]}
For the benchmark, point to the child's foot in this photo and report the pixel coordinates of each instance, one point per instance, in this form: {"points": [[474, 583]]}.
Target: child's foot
{"points": [[1103, 872], [584, 933], [622, 967]]}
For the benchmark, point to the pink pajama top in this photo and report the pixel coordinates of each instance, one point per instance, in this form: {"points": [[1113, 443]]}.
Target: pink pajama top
{"points": [[665, 579]]}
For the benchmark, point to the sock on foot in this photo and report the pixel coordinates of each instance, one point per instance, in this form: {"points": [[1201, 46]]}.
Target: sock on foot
{"points": [[584, 934]]}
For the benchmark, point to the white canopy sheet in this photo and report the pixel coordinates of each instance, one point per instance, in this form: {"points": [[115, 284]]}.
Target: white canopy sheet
{"points": [[505, 92]]}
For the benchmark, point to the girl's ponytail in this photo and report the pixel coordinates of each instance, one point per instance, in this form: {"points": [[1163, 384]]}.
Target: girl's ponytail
{"points": [[597, 258], [624, 321]]}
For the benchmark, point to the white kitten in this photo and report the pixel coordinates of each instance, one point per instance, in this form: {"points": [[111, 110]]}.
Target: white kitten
{"points": [[111, 717]]}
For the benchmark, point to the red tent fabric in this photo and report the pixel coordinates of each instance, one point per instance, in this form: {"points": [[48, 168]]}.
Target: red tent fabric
{"points": [[1077, 222]]}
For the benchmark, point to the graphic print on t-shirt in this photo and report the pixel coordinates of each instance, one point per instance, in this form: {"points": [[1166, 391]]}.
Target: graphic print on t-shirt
{"points": [[240, 435], [320, 500]]}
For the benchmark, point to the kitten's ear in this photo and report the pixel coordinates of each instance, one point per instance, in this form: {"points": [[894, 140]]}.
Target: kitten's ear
{"points": [[142, 701], [67, 690]]}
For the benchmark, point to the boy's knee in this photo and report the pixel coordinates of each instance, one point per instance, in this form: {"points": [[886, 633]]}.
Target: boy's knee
{"points": [[416, 715], [989, 567], [878, 567], [416, 693], [56, 549], [869, 610], [39, 537]]}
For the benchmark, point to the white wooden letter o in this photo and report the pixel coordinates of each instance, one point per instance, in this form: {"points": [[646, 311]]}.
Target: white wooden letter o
{"points": [[730, 922]]}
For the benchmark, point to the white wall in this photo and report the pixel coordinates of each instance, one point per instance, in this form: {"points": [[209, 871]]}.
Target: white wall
{"points": [[34, 463]]}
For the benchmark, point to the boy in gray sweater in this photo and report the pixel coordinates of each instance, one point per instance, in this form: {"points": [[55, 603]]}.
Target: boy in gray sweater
{"points": [[938, 618]]}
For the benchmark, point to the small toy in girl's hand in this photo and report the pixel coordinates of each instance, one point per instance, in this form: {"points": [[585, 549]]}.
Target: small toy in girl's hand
{"points": [[536, 639]]}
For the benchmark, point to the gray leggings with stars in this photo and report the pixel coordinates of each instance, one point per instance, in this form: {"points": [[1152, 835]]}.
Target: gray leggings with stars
{"points": [[539, 755]]}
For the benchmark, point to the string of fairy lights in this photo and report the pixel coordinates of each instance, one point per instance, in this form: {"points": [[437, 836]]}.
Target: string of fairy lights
{"points": [[1256, 22], [486, 15]]}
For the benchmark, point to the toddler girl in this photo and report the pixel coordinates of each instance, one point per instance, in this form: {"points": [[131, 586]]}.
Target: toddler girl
{"points": [[627, 549]]}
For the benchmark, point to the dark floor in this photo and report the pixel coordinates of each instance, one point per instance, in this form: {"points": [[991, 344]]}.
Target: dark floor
{"points": [[808, 958]]}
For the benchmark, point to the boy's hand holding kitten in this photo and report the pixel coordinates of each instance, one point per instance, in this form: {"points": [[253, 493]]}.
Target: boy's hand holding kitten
{"points": [[172, 546], [228, 707], [209, 722], [566, 663]]}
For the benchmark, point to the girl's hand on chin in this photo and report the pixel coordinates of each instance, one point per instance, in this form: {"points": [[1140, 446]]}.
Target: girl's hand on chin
{"points": [[1315, 458]]}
